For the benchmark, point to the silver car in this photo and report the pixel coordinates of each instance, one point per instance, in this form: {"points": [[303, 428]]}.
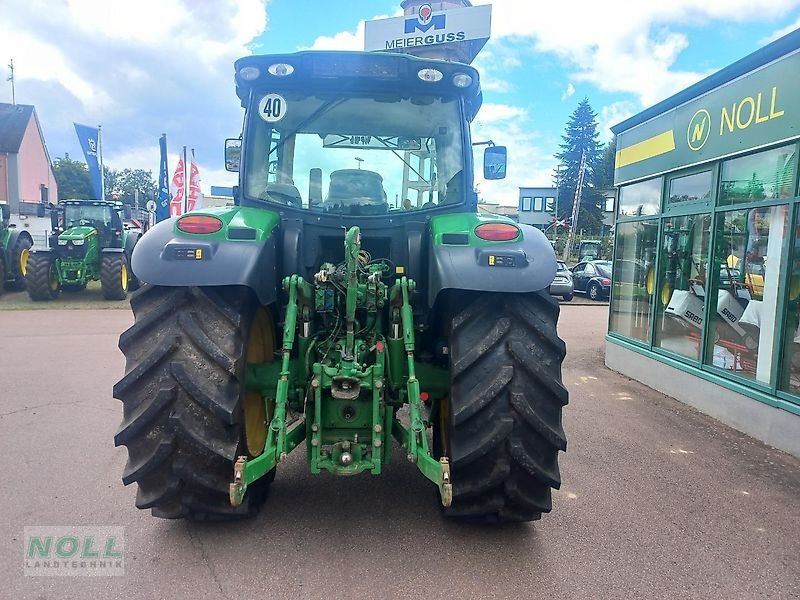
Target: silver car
{"points": [[562, 284]]}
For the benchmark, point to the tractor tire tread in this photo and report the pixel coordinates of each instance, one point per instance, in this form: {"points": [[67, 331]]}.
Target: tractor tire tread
{"points": [[506, 399]]}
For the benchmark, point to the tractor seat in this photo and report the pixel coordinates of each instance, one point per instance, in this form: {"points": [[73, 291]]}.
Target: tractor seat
{"points": [[285, 193], [356, 191]]}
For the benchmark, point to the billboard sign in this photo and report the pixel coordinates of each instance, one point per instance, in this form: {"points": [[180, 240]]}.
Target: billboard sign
{"points": [[429, 28]]}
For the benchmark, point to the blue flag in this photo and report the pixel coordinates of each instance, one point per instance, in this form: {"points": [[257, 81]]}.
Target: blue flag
{"points": [[88, 137], [162, 205]]}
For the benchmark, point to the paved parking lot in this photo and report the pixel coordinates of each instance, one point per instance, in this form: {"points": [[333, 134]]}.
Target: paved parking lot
{"points": [[658, 500]]}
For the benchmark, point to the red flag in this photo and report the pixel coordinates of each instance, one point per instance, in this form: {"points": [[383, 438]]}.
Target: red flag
{"points": [[178, 180], [195, 197]]}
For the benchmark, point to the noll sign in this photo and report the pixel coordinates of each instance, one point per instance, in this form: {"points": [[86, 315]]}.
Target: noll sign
{"points": [[74, 551], [756, 110], [429, 28]]}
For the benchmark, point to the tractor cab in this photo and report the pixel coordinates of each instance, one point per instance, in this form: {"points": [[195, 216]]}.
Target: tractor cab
{"points": [[387, 133]]}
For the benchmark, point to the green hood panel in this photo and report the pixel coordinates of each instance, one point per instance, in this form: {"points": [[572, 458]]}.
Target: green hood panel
{"points": [[78, 233]]}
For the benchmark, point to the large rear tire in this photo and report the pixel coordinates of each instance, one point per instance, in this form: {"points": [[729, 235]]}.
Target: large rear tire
{"points": [[41, 277], [114, 276], [501, 425], [20, 255], [187, 415]]}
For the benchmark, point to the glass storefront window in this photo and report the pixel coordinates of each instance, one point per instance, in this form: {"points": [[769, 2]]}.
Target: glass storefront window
{"points": [[633, 279], [748, 260], [641, 199], [683, 268], [690, 188], [767, 175], [790, 372]]}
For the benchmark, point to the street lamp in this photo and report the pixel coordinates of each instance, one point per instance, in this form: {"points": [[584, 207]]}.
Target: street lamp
{"points": [[359, 160]]}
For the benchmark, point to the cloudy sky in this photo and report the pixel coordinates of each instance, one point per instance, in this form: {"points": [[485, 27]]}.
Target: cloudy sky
{"points": [[145, 67]]}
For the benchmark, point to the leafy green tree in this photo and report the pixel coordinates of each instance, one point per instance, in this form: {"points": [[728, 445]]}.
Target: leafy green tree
{"points": [[123, 184], [581, 137], [73, 179]]}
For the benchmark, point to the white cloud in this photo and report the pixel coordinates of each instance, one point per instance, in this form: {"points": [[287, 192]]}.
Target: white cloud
{"points": [[346, 40], [139, 68], [491, 113], [568, 92], [780, 33], [612, 114], [626, 46]]}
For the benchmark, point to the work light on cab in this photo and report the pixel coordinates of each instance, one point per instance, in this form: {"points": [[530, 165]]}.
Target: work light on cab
{"points": [[280, 69], [497, 232], [249, 73], [462, 80], [430, 75], [199, 224]]}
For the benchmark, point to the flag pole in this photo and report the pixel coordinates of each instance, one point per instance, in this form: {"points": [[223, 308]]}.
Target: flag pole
{"points": [[185, 183], [102, 173]]}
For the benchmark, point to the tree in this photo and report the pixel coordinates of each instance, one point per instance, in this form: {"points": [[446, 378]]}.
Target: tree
{"points": [[73, 179], [604, 175], [581, 137], [123, 184]]}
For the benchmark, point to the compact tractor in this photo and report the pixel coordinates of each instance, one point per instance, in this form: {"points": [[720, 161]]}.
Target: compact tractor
{"points": [[88, 242], [352, 296], [15, 248]]}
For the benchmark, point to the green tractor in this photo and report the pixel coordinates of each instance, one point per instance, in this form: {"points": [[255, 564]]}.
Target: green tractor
{"points": [[88, 243], [590, 250], [382, 308], [15, 248]]}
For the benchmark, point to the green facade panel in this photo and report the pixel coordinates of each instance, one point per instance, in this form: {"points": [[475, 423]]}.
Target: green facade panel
{"points": [[760, 108]]}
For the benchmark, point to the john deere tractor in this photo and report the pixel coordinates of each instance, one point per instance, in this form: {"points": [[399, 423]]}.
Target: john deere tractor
{"points": [[88, 243], [15, 247], [352, 296]]}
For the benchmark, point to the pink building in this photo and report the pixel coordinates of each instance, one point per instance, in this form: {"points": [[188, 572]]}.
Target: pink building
{"points": [[27, 181]]}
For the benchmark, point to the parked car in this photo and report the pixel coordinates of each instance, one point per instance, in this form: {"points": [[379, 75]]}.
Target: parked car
{"points": [[562, 284], [592, 278]]}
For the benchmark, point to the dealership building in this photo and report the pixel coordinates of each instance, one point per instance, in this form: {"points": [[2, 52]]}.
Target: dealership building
{"points": [[705, 304]]}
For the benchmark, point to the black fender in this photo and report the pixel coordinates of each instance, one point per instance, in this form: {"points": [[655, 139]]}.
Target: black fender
{"points": [[515, 267], [12, 241], [162, 257]]}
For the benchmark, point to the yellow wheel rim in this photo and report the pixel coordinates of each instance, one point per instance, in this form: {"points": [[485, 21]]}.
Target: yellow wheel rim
{"points": [[651, 282], [23, 261], [260, 349], [124, 276], [666, 293], [53, 277]]}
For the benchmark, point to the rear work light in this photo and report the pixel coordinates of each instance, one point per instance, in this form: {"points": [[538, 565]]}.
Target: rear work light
{"points": [[497, 232], [199, 224]]}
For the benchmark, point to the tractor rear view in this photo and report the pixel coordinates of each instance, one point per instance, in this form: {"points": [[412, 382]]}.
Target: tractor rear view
{"points": [[88, 243], [15, 247], [353, 296]]}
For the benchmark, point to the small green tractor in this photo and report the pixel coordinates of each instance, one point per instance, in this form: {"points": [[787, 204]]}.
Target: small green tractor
{"points": [[337, 318], [88, 243], [15, 248]]}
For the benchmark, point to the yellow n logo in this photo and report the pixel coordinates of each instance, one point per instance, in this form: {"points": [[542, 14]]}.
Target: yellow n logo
{"points": [[699, 128]]}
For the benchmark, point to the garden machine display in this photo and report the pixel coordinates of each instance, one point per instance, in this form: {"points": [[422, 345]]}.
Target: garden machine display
{"points": [[88, 243], [352, 297]]}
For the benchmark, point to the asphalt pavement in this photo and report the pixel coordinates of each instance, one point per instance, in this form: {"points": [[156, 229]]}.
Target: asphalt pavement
{"points": [[658, 501]]}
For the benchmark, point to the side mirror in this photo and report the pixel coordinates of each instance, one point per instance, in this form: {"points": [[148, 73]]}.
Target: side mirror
{"points": [[314, 187], [494, 162], [5, 209], [54, 219], [233, 154]]}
